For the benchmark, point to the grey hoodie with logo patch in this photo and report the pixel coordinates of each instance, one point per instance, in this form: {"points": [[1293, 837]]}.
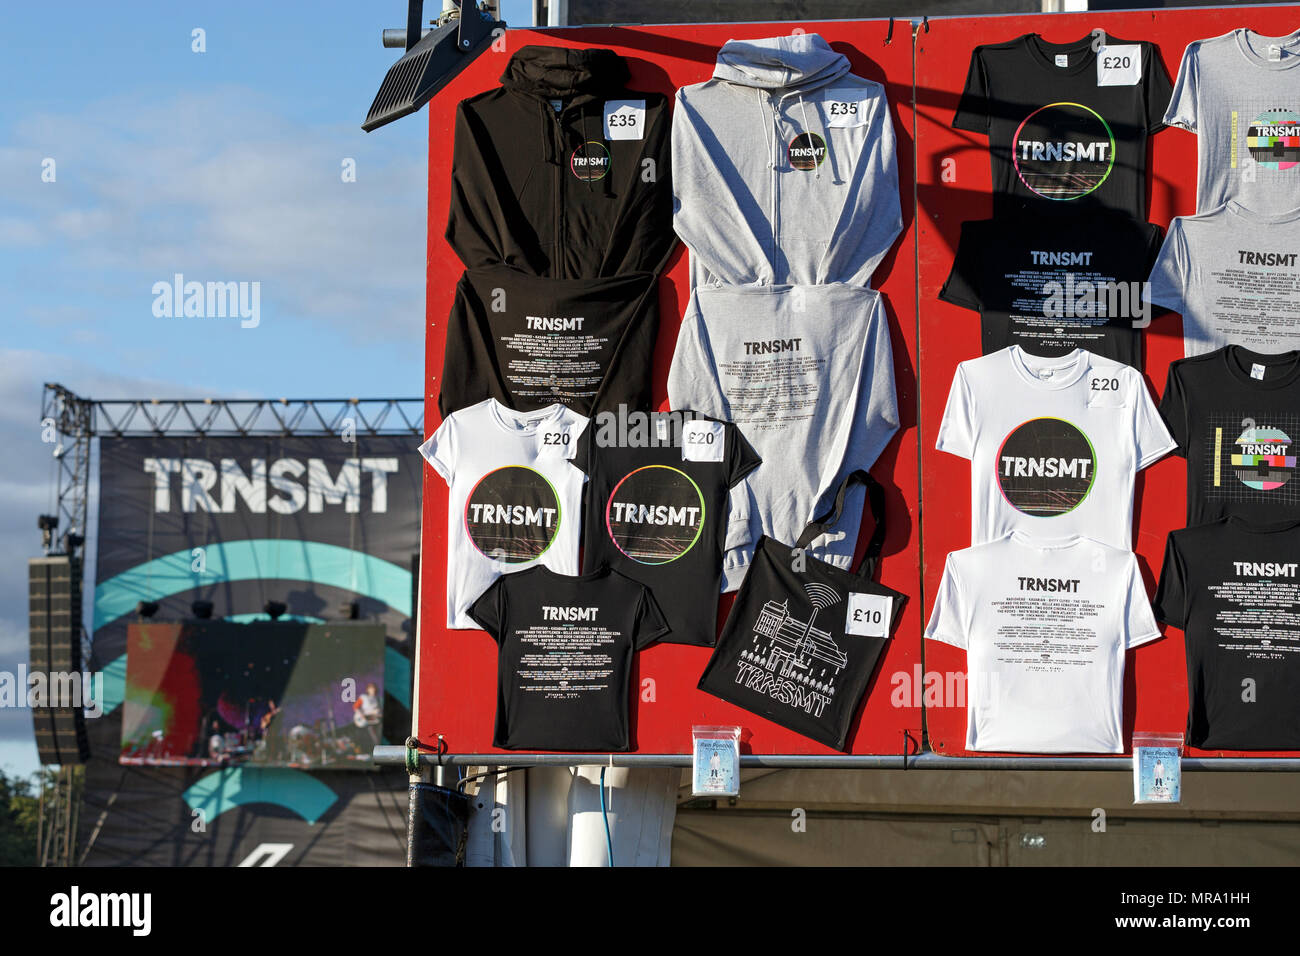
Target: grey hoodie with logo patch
{"points": [[783, 168]]}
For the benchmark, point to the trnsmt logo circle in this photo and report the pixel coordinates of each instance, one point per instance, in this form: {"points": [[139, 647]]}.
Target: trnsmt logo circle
{"points": [[1274, 139], [807, 150], [1063, 151], [655, 514], [590, 161], [513, 514], [1046, 467], [1263, 459]]}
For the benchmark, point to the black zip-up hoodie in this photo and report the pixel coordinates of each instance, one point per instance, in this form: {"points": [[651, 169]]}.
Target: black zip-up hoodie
{"points": [[538, 186]]}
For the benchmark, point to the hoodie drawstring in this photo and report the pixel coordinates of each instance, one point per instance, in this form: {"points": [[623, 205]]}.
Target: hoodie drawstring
{"points": [[771, 132]]}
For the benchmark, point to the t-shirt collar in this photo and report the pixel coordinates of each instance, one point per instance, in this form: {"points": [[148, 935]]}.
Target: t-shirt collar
{"points": [[1027, 366], [1253, 215], [523, 423], [1249, 40], [1042, 543], [1239, 360], [1044, 54]]}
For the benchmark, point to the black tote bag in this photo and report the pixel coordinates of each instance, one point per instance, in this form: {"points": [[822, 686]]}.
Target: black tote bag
{"points": [[804, 637]]}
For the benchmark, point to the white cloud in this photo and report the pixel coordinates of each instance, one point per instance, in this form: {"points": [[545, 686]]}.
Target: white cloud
{"points": [[222, 185]]}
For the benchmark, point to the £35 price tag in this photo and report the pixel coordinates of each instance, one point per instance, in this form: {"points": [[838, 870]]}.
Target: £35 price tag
{"points": [[702, 441], [625, 119], [844, 109], [1119, 65], [867, 615]]}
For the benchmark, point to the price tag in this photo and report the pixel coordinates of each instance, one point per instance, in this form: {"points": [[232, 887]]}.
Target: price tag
{"points": [[702, 441], [558, 442], [1106, 389], [1119, 65], [625, 119], [844, 109], [867, 615]]}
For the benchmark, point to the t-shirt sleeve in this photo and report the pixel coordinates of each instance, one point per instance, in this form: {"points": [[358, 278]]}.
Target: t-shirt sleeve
{"points": [[488, 610], [1173, 408], [1168, 278], [1182, 103], [948, 620], [1171, 591], [973, 107], [742, 458], [957, 430], [1140, 623], [962, 287], [1151, 437], [1155, 84], [650, 623], [439, 449]]}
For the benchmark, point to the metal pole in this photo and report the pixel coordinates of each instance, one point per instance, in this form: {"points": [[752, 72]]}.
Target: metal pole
{"points": [[388, 755]]}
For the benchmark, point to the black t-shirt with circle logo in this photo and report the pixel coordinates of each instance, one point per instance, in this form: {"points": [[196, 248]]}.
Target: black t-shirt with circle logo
{"points": [[1056, 134], [1235, 415], [564, 663], [1054, 283], [1233, 587], [657, 508]]}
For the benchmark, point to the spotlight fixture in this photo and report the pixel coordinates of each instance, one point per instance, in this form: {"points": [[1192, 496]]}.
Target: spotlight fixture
{"points": [[431, 61], [146, 609], [275, 609], [48, 525], [201, 609], [72, 541]]}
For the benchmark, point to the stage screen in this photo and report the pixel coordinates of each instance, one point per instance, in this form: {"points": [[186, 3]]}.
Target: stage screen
{"points": [[205, 693]]}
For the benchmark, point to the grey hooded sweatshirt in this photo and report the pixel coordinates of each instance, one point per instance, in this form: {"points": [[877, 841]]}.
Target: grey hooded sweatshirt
{"points": [[808, 374], [783, 168]]}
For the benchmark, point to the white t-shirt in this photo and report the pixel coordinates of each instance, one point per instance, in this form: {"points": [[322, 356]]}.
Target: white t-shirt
{"points": [[1045, 623], [1054, 443], [515, 497]]}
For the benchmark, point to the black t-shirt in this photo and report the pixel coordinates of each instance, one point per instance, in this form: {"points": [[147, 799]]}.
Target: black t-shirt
{"points": [[530, 342], [1235, 415], [1054, 133], [1034, 280], [1233, 588], [565, 657], [659, 512]]}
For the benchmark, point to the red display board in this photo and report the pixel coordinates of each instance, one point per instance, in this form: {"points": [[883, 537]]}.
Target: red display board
{"points": [[456, 671], [952, 187]]}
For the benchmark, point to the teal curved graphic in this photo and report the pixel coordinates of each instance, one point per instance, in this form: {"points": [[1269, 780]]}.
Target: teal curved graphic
{"points": [[251, 560], [231, 787]]}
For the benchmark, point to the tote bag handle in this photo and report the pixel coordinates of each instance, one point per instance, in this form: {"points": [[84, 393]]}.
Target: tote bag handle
{"points": [[875, 502]]}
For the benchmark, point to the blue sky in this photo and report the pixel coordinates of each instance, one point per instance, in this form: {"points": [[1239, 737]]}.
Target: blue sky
{"points": [[223, 166]]}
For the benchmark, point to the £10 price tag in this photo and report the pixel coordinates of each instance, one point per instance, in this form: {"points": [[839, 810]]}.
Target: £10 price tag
{"points": [[867, 615]]}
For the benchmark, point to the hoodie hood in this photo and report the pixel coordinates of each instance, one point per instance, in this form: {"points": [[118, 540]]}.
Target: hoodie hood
{"points": [[549, 71], [803, 61]]}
